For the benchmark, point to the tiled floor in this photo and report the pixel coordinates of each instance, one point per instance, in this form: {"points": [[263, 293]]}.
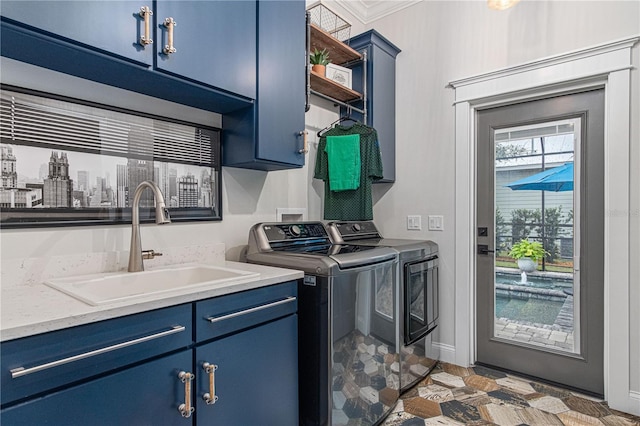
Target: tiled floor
{"points": [[453, 395]]}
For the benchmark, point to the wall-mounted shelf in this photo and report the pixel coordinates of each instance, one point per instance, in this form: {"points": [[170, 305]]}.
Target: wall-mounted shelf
{"points": [[332, 89], [340, 54]]}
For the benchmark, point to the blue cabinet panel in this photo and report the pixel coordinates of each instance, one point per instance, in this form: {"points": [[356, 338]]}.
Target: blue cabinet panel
{"points": [[153, 333], [256, 380], [215, 43], [381, 94], [111, 26], [281, 95], [268, 136], [234, 312], [148, 394]]}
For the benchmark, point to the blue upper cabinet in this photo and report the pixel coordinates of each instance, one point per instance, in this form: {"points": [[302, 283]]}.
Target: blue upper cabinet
{"points": [[214, 42], [213, 67], [381, 93], [111, 26], [269, 135]]}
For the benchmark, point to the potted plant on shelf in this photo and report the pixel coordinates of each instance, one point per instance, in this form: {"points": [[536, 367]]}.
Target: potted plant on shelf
{"points": [[319, 60], [527, 254]]}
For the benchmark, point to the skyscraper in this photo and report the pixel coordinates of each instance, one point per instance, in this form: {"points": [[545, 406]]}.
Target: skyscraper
{"points": [[58, 187], [9, 172], [188, 191]]}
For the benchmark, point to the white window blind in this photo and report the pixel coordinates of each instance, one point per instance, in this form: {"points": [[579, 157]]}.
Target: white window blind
{"points": [[57, 124]]}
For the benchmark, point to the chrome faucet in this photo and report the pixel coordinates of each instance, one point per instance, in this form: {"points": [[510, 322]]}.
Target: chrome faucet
{"points": [[162, 216]]}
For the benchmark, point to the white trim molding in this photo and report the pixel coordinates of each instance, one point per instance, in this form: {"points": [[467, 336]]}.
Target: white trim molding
{"points": [[608, 65]]}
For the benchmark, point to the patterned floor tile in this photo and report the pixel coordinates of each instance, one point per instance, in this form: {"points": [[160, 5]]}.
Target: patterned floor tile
{"points": [[457, 370], [435, 393], [447, 379], [403, 419], [486, 397], [613, 420], [482, 383], [549, 404], [460, 411], [423, 408], [500, 414], [573, 418], [550, 390], [506, 396], [585, 406], [534, 416], [466, 392], [516, 385], [442, 421]]}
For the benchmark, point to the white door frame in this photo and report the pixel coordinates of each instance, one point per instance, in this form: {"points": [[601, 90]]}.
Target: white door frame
{"points": [[609, 66]]}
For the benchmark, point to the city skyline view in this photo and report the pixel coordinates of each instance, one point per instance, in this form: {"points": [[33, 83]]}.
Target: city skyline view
{"points": [[101, 180]]}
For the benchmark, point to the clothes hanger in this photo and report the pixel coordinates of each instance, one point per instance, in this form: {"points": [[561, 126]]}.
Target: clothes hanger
{"points": [[339, 120]]}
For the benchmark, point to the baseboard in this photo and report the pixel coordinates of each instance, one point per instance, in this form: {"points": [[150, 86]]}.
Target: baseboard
{"points": [[447, 352], [634, 403]]}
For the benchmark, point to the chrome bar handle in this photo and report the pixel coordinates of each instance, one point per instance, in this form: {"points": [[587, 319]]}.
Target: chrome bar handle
{"points": [[305, 144], [250, 310], [210, 397], [186, 409], [169, 23], [21, 371], [146, 13]]}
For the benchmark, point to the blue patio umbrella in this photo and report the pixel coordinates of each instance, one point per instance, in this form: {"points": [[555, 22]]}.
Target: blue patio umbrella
{"points": [[555, 179]]}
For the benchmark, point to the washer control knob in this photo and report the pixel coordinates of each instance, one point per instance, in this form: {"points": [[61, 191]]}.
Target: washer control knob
{"points": [[295, 230], [356, 227]]}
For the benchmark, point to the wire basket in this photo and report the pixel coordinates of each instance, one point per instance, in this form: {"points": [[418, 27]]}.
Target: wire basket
{"points": [[330, 22]]}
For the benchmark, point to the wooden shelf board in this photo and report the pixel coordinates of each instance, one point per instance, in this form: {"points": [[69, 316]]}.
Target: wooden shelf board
{"points": [[330, 88], [339, 53]]}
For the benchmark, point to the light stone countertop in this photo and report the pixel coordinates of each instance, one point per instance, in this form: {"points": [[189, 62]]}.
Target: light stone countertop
{"points": [[34, 307]]}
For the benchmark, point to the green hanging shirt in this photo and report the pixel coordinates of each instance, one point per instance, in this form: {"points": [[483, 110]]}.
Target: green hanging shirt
{"points": [[353, 204]]}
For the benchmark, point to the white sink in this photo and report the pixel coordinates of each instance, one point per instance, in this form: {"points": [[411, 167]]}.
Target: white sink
{"points": [[101, 289]]}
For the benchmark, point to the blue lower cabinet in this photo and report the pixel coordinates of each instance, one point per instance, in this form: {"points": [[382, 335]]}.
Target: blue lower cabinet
{"points": [[256, 377], [148, 394], [147, 369]]}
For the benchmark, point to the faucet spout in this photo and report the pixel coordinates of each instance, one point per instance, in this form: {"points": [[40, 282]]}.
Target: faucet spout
{"points": [[162, 217]]}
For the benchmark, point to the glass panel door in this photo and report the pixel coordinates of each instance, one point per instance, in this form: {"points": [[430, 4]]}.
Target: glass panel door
{"points": [[535, 216], [540, 195]]}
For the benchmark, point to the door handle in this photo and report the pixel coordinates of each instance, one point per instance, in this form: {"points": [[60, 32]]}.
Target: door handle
{"points": [[484, 249]]}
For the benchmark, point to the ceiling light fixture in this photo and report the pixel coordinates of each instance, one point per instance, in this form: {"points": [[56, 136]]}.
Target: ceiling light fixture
{"points": [[501, 4]]}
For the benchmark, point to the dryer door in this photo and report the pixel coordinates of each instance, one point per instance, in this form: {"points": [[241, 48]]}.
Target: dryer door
{"points": [[420, 298]]}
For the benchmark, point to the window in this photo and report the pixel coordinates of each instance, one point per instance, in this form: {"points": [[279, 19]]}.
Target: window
{"points": [[68, 162]]}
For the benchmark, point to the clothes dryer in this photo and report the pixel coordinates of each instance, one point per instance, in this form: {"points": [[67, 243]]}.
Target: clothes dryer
{"points": [[417, 289]]}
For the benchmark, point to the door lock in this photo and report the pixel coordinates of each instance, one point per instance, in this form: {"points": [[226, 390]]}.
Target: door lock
{"points": [[484, 249]]}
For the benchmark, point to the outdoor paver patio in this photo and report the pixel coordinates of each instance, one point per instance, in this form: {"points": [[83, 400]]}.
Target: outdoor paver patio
{"points": [[538, 336]]}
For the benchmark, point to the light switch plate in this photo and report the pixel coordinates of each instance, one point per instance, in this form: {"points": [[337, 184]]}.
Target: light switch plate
{"points": [[436, 223], [414, 222]]}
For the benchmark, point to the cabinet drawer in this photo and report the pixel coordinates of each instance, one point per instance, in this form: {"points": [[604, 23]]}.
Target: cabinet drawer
{"points": [[222, 315], [36, 364]]}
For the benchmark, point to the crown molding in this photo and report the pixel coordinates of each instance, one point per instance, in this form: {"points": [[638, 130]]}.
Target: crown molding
{"points": [[367, 11]]}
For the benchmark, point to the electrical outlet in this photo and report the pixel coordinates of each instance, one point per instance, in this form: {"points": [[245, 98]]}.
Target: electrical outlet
{"points": [[414, 222], [436, 223]]}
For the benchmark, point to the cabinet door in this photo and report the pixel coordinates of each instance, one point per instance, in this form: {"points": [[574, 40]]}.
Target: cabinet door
{"points": [[256, 380], [281, 92], [111, 26], [215, 43], [145, 395]]}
